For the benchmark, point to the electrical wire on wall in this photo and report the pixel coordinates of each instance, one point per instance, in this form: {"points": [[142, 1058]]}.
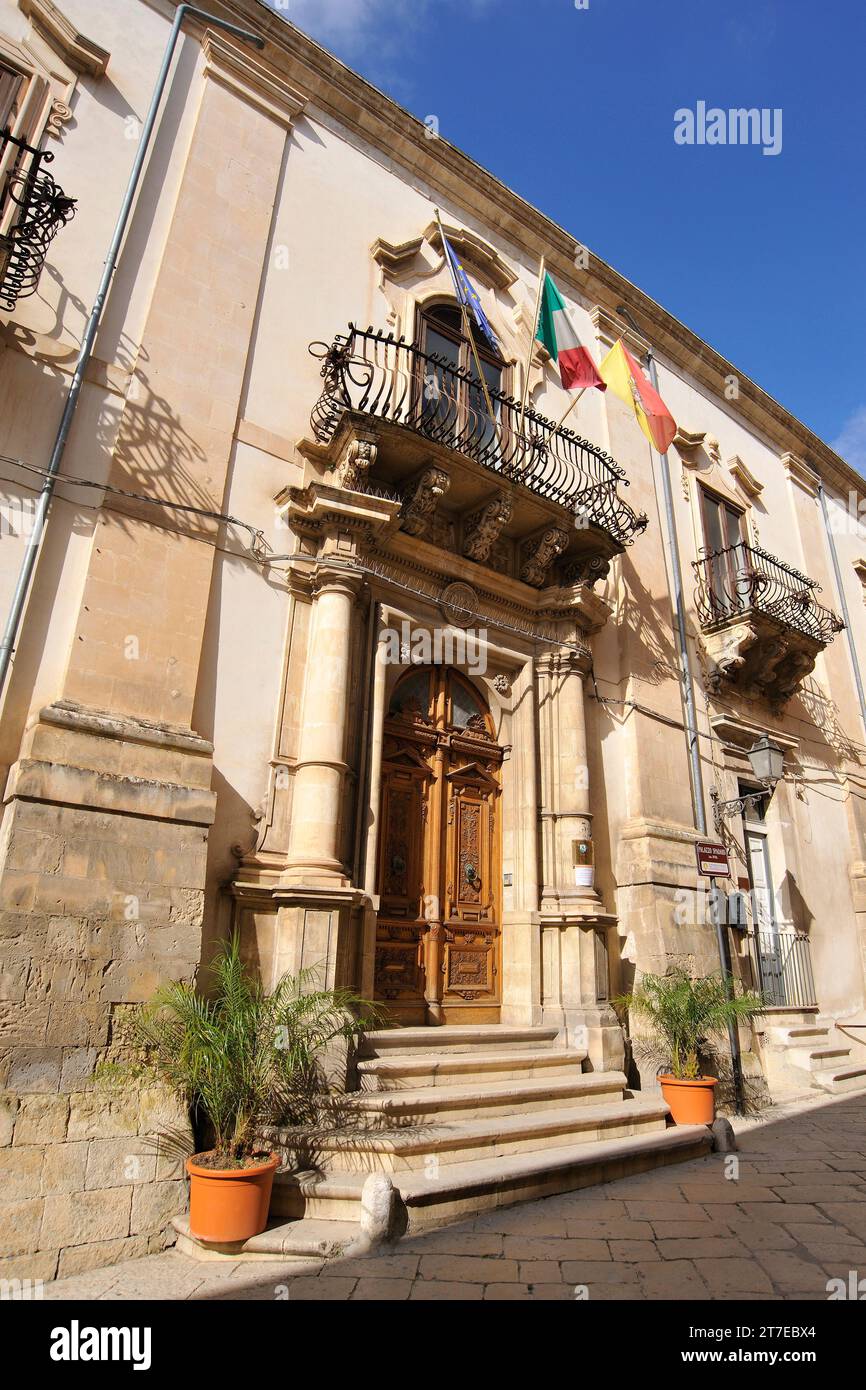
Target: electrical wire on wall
{"points": [[256, 552]]}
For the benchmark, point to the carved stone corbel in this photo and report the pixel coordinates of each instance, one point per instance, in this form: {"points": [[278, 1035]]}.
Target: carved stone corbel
{"points": [[483, 528], [539, 555], [421, 498], [353, 469], [586, 569]]}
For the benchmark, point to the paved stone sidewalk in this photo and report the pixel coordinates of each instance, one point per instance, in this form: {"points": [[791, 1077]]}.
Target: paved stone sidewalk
{"points": [[788, 1216]]}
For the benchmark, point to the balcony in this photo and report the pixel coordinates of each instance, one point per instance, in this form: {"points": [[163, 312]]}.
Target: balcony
{"points": [[763, 626], [517, 485], [33, 208]]}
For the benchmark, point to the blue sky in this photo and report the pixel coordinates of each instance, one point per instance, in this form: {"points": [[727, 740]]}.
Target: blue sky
{"points": [[762, 255]]}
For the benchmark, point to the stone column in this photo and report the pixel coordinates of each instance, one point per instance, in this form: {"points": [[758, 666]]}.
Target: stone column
{"points": [[574, 922], [314, 844], [565, 813]]}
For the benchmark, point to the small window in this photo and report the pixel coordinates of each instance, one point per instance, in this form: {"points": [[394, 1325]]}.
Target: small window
{"points": [[467, 709], [756, 809], [412, 695], [723, 523], [11, 91]]}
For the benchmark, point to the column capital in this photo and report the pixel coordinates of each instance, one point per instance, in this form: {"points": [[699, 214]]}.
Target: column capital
{"points": [[564, 661], [329, 579]]}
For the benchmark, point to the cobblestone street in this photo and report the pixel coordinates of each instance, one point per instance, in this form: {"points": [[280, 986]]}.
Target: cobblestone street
{"points": [[779, 1223]]}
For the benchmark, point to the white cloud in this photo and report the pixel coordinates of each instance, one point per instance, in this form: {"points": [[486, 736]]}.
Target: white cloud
{"points": [[851, 440], [349, 25], [353, 27]]}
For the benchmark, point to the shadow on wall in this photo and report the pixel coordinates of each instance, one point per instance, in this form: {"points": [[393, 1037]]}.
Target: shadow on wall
{"points": [[648, 627]]}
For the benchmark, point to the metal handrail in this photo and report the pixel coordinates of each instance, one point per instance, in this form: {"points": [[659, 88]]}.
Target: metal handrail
{"points": [[739, 578], [376, 374]]}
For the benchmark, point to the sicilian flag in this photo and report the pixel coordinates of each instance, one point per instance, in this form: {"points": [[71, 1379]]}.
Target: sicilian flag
{"points": [[626, 380], [557, 332]]}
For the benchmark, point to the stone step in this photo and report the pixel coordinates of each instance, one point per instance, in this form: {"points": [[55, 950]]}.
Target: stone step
{"points": [[481, 1185], [838, 1080], [429, 1146], [481, 1098], [820, 1059], [806, 1034], [332, 1196], [458, 1190], [305, 1240], [488, 1067], [453, 1038]]}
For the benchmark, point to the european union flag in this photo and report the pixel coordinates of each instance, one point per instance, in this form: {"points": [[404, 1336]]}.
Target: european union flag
{"points": [[468, 295]]}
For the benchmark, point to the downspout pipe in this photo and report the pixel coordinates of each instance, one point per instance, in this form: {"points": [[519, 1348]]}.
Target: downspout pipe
{"points": [[840, 590], [691, 721], [687, 682], [31, 553]]}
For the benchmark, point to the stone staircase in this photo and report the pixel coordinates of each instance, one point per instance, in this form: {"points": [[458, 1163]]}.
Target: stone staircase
{"points": [[801, 1054], [462, 1119]]}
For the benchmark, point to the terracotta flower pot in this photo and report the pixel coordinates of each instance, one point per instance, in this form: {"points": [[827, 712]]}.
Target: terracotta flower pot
{"points": [[691, 1102], [229, 1204]]}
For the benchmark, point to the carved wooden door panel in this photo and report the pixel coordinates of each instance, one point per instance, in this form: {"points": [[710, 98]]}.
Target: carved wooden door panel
{"points": [[399, 973], [438, 926], [471, 964]]}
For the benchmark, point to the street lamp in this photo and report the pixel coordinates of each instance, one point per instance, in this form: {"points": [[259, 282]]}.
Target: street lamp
{"points": [[767, 761]]}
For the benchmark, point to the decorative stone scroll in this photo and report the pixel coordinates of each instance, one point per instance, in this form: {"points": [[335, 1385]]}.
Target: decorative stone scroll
{"points": [[483, 527], [354, 469], [540, 554], [421, 497]]}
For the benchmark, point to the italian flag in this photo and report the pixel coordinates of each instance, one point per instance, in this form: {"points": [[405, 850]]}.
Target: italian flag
{"points": [[556, 331], [626, 380]]}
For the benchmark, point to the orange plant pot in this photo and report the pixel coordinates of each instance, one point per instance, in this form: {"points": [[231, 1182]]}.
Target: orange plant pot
{"points": [[229, 1204], [691, 1102]]}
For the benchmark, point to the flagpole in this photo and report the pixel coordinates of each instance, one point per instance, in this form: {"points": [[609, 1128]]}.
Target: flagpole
{"points": [[533, 328], [571, 407], [470, 335]]}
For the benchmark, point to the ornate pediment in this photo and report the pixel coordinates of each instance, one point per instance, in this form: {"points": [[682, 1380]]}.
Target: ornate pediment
{"points": [[80, 53], [478, 254], [744, 480], [404, 258]]}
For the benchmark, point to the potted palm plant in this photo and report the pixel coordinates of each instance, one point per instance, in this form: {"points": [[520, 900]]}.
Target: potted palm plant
{"points": [[243, 1061], [685, 1016]]}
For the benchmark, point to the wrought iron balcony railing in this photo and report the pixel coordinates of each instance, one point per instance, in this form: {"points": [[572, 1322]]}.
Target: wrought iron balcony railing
{"points": [[744, 578], [33, 208], [377, 374]]}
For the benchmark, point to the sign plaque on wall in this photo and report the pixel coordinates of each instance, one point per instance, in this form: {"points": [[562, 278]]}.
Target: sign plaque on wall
{"points": [[712, 859]]}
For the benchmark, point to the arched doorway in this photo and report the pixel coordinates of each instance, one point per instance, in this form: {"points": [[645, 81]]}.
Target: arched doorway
{"points": [[438, 934]]}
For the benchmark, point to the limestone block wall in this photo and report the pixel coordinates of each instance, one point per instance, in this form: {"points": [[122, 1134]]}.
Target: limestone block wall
{"points": [[98, 905]]}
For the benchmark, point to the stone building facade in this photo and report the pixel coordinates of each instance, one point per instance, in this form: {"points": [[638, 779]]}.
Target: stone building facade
{"points": [[316, 650]]}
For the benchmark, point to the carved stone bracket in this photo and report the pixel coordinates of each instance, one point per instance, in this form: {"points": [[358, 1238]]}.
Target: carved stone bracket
{"points": [[482, 528], [759, 660], [539, 554], [586, 569], [421, 498], [353, 469]]}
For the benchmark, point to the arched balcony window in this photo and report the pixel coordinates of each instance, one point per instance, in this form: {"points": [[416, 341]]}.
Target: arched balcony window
{"points": [[452, 392]]}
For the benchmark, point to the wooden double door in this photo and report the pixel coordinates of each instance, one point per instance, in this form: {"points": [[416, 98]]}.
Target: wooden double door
{"points": [[438, 934]]}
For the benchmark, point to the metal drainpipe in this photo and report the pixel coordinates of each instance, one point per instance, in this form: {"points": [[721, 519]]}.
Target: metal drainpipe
{"points": [[679, 608], [692, 723], [858, 680], [28, 563]]}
